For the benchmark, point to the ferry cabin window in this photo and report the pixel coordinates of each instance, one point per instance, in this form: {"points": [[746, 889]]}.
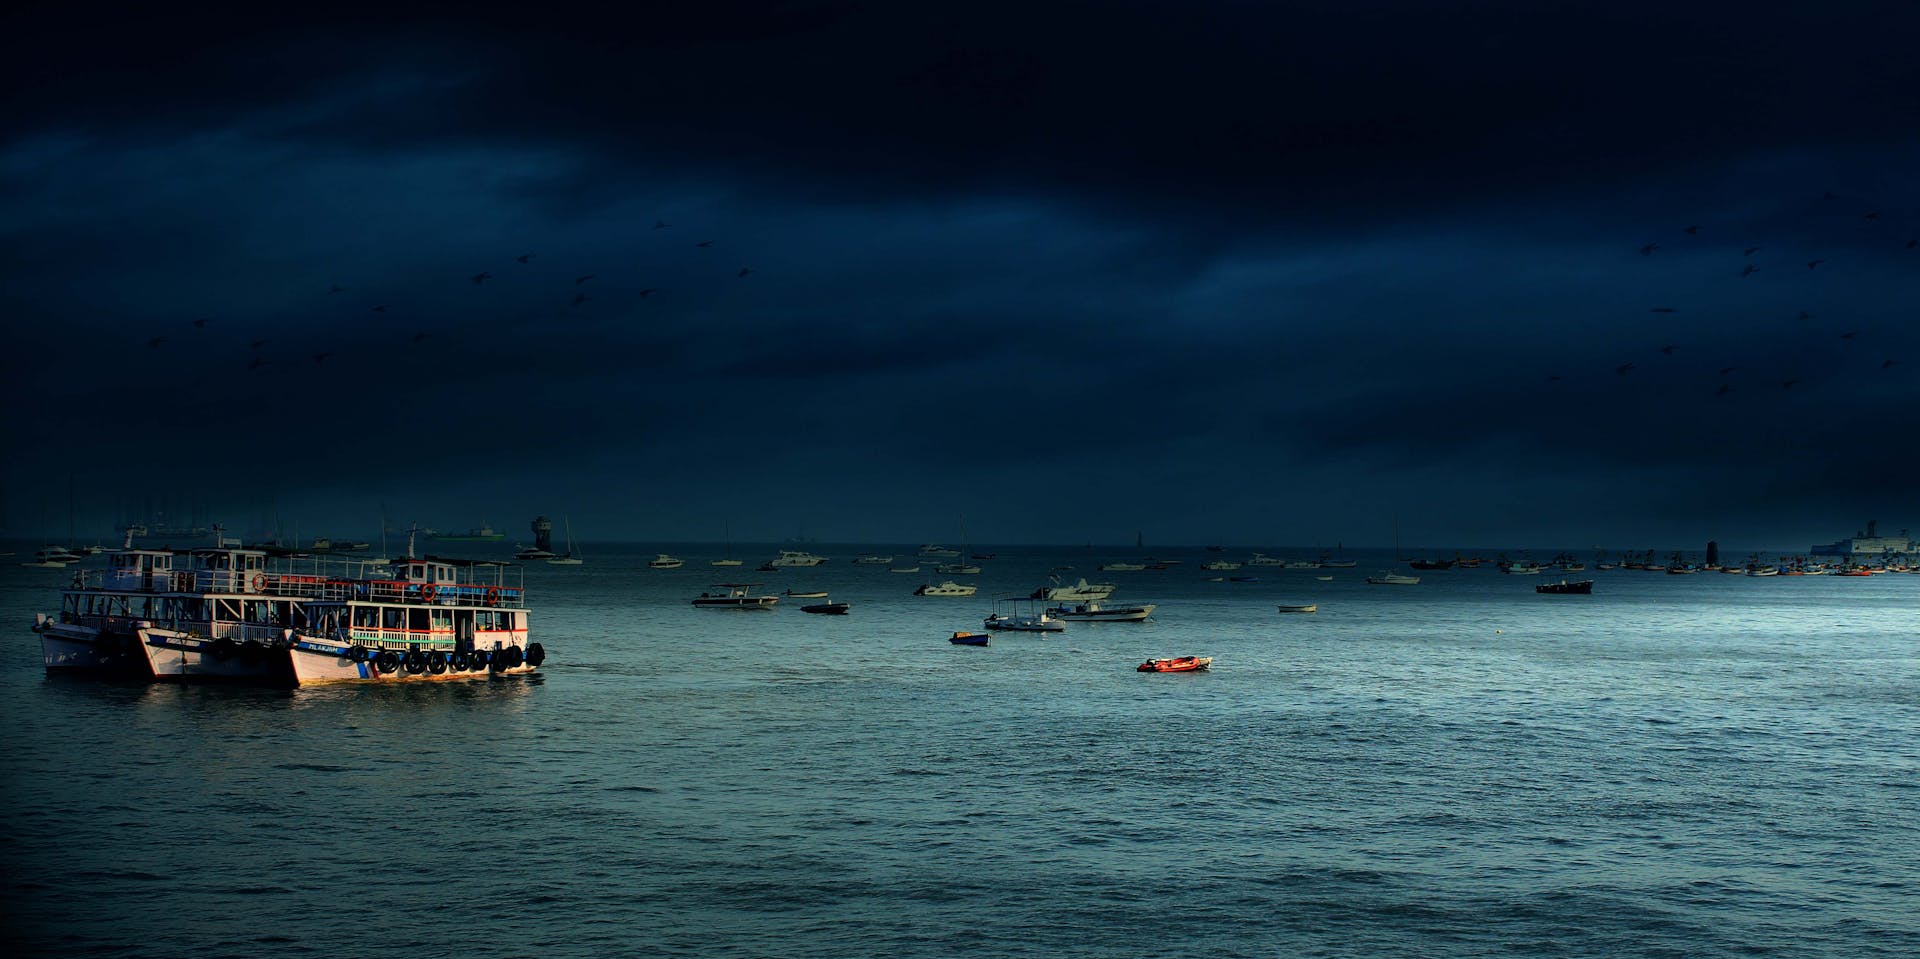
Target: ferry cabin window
{"points": [[366, 617], [442, 620], [228, 609], [417, 622], [392, 618]]}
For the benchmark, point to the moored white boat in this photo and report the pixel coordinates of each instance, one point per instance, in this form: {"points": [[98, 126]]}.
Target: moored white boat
{"points": [[1094, 611], [947, 588], [1023, 622], [735, 596], [1391, 578], [664, 561], [794, 557], [1122, 567], [1078, 591], [1299, 608]]}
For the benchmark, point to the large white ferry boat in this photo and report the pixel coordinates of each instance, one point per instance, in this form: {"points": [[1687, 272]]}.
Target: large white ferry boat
{"points": [[428, 622]]}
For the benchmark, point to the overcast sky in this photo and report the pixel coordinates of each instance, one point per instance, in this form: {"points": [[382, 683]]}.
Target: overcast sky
{"points": [[1256, 273]]}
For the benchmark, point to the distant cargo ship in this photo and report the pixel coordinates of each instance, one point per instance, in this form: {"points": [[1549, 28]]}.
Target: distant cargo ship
{"points": [[1869, 543]]}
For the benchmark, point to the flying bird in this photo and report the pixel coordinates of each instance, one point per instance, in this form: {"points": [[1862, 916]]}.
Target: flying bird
{"points": [[1554, 378], [1889, 364], [1723, 390], [1623, 369], [1850, 334], [1813, 263], [1663, 309], [321, 357], [1749, 251], [201, 324], [156, 341], [1804, 315], [661, 224], [257, 363], [579, 298], [380, 309], [703, 244], [1750, 270], [481, 277], [582, 279], [1913, 243], [1788, 384], [1669, 349], [1648, 249], [526, 257], [421, 336], [256, 344], [1828, 196], [1871, 216], [744, 271], [1693, 231], [337, 288], [649, 291], [1727, 369]]}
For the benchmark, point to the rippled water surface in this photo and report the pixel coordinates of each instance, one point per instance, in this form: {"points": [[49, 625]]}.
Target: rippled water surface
{"points": [[1676, 766]]}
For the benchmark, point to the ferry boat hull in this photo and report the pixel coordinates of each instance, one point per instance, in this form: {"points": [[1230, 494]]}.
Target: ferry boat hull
{"points": [[73, 649], [316, 661], [176, 656]]}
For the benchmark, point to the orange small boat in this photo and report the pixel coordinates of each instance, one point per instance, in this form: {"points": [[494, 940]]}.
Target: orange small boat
{"points": [[1179, 664]]}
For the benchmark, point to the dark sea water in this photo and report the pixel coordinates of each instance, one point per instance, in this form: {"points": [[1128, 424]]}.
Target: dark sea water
{"points": [[1676, 766]]}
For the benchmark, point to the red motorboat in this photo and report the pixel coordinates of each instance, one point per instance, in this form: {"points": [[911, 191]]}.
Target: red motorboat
{"points": [[1179, 664]]}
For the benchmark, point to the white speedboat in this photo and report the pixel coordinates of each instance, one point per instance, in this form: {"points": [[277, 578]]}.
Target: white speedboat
{"points": [[1219, 564], [904, 569], [1081, 590], [947, 588], [663, 561], [1262, 559], [873, 561], [1093, 611], [1122, 567], [934, 551], [1391, 578], [734, 596], [794, 557], [1027, 622], [958, 569]]}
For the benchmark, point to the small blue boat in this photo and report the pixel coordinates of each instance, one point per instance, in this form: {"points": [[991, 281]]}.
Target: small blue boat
{"points": [[968, 639]]}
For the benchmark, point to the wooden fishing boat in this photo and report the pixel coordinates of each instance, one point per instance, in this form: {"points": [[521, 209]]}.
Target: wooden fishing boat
{"points": [[968, 639], [1306, 608], [829, 609]]}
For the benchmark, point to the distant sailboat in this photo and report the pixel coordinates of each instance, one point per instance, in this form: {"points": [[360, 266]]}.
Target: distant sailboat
{"points": [[727, 560], [568, 558]]}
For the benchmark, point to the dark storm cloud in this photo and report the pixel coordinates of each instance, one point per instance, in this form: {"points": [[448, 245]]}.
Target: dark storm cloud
{"points": [[1303, 249]]}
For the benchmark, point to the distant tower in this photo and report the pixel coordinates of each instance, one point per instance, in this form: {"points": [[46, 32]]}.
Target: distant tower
{"points": [[543, 533], [1713, 553]]}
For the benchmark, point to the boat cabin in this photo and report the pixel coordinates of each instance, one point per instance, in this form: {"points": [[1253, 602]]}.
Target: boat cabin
{"points": [[143, 570]]}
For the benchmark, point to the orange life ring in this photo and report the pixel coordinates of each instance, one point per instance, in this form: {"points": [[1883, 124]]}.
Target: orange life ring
{"points": [[259, 582], [427, 593], [493, 596]]}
